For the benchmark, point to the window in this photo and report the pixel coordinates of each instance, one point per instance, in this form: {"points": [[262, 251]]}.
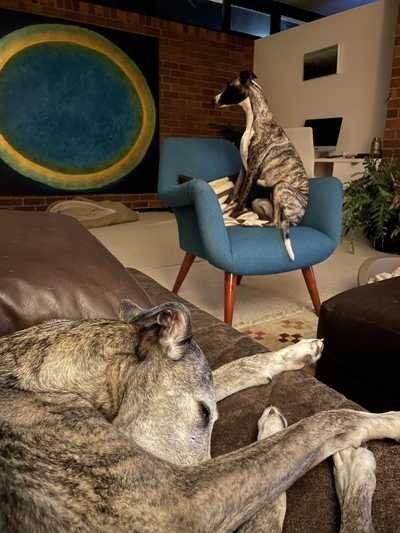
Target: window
{"points": [[287, 23], [244, 20]]}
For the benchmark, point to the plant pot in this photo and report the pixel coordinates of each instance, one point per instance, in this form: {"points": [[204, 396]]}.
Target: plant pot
{"points": [[388, 245]]}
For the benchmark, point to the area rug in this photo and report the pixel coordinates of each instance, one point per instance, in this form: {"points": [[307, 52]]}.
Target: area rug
{"points": [[277, 333]]}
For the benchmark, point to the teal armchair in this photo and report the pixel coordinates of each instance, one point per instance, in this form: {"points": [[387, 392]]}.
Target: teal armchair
{"points": [[241, 251]]}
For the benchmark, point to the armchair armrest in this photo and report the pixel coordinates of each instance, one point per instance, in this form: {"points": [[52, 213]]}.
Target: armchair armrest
{"points": [[181, 195], [325, 206], [198, 193]]}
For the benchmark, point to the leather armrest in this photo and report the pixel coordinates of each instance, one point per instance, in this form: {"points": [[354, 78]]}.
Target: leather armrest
{"points": [[52, 267]]}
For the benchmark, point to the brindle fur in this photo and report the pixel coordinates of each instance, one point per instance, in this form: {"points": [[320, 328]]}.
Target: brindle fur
{"points": [[105, 426], [355, 486], [269, 160]]}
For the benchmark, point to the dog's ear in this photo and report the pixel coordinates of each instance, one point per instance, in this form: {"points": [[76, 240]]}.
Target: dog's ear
{"points": [[175, 330], [172, 331], [246, 77], [129, 311]]}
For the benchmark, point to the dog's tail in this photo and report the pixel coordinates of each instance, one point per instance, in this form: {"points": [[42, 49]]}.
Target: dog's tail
{"points": [[286, 238]]}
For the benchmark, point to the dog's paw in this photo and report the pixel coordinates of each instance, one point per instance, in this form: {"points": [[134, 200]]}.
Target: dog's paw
{"points": [[391, 424], [354, 470], [231, 198], [271, 421], [303, 353], [235, 212]]}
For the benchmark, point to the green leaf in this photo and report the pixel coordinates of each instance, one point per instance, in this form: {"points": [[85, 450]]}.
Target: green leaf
{"points": [[369, 200]]}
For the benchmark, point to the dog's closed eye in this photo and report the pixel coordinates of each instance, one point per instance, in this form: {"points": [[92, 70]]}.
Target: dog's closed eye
{"points": [[205, 413], [184, 341]]}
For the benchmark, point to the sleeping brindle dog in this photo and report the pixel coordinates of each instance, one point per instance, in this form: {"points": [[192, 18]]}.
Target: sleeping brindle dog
{"points": [[105, 425]]}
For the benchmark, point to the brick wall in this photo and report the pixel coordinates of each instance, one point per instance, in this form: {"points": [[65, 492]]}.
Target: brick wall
{"points": [[391, 142], [194, 65]]}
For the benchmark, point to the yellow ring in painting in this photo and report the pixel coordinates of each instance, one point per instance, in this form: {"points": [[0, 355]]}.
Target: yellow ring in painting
{"points": [[14, 43]]}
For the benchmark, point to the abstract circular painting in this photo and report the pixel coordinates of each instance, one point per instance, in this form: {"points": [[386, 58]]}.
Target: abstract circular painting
{"points": [[76, 112]]}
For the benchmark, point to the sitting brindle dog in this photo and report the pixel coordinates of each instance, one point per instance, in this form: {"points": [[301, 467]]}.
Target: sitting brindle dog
{"points": [[269, 160], [105, 425]]}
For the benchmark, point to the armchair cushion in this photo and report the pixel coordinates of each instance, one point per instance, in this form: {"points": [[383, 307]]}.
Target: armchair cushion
{"points": [[258, 251]]}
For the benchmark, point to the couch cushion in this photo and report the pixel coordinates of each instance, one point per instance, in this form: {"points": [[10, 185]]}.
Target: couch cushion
{"points": [[52, 267]]}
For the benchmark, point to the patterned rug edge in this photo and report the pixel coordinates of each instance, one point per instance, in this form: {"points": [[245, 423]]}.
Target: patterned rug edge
{"points": [[276, 333]]}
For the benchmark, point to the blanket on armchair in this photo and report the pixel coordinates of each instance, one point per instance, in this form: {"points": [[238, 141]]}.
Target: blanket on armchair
{"points": [[223, 188]]}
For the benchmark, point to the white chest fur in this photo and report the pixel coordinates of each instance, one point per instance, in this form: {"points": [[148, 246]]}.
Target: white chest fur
{"points": [[248, 134]]}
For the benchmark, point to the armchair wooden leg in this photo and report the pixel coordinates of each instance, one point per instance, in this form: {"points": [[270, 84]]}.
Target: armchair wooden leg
{"points": [[185, 267], [238, 280], [230, 286], [311, 283]]}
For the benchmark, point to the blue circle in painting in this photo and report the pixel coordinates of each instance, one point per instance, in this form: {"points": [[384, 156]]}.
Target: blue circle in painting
{"points": [[68, 107]]}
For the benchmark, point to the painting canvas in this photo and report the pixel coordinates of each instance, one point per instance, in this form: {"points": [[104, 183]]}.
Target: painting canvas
{"points": [[78, 108], [320, 63]]}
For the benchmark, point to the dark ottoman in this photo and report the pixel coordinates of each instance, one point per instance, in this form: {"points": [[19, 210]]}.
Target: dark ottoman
{"points": [[361, 359]]}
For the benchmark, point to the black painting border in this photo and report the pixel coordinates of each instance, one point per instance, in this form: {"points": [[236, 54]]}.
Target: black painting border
{"points": [[143, 178]]}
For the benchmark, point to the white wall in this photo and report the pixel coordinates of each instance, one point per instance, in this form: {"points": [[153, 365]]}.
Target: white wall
{"points": [[357, 93]]}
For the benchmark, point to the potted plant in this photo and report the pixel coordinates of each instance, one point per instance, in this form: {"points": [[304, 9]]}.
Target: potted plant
{"points": [[372, 204]]}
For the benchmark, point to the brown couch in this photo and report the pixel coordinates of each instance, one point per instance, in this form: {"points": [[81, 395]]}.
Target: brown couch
{"points": [[51, 267]]}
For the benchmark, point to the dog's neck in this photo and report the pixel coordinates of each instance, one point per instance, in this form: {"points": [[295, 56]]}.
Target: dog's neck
{"points": [[258, 116], [248, 133], [259, 105], [246, 106], [98, 369]]}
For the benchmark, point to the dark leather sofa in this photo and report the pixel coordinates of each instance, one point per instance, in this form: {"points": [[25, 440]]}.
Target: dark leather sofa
{"points": [[51, 267]]}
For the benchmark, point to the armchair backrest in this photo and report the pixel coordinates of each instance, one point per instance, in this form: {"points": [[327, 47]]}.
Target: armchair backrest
{"points": [[303, 141], [202, 158]]}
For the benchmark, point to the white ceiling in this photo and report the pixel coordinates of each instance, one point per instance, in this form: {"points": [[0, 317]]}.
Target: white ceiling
{"points": [[327, 7]]}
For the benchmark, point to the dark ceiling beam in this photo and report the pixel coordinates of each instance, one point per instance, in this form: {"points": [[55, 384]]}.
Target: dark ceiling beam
{"points": [[275, 24], [226, 15]]}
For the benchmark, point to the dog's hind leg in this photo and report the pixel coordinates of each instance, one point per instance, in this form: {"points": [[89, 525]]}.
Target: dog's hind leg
{"points": [[259, 369], [263, 208], [238, 184], [272, 516], [355, 486]]}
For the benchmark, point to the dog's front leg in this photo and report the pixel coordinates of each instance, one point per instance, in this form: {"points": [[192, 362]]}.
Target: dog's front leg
{"points": [[249, 177], [259, 369], [271, 517], [238, 184], [225, 492], [355, 486]]}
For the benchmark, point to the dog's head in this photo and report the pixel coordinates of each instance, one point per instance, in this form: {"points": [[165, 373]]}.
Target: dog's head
{"points": [[236, 90], [169, 407]]}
